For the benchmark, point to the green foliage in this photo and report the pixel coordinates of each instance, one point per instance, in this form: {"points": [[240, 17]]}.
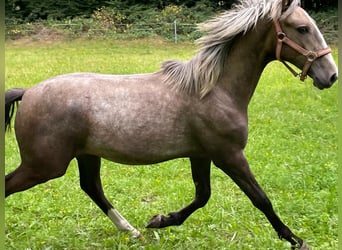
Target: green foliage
{"points": [[292, 151], [117, 19], [110, 19], [327, 22], [32, 10]]}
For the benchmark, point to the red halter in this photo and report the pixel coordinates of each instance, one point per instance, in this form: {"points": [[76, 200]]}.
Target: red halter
{"points": [[310, 55]]}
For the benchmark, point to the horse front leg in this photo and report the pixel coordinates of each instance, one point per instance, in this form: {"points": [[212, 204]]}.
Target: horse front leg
{"points": [[201, 176], [238, 169]]}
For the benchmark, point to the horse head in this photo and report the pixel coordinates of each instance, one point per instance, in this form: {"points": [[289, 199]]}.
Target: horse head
{"points": [[300, 42]]}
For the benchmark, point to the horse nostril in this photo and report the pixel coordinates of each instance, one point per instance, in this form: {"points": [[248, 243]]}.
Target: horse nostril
{"points": [[333, 78]]}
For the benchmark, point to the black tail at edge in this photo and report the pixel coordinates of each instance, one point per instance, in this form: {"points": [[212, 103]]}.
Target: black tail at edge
{"points": [[12, 97]]}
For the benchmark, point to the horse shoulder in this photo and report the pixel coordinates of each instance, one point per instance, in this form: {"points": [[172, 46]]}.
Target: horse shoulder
{"points": [[222, 123]]}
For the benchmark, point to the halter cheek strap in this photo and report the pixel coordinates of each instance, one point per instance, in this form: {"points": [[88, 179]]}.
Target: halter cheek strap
{"points": [[311, 56]]}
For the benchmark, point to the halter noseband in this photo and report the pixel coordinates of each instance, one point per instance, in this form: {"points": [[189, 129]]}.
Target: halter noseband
{"points": [[310, 55]]}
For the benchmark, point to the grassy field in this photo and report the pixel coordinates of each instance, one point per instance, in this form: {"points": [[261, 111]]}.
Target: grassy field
{"points": [[292, 151]]}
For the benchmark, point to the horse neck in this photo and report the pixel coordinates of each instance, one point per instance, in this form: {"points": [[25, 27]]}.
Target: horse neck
{"points": [[246, 60]]}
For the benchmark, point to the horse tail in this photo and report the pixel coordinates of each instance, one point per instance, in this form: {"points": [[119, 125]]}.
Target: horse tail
{"points": [[12, 97]]}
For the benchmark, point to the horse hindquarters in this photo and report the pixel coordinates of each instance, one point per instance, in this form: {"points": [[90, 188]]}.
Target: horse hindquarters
{"points": [[40, 161], [44, 155], [35, 170]]}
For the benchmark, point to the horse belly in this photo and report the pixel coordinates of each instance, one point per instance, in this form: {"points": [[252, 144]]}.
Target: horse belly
{"points": [[137, 150], [140, 142]]}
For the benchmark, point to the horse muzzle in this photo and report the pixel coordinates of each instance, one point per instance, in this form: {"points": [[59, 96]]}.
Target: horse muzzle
{"points": [[324, 84], [324, 72]]}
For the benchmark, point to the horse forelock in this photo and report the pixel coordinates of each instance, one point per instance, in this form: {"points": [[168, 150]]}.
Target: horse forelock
{"points": [[200, 74]]}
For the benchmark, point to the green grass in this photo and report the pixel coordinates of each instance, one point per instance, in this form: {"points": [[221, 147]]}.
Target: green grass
{"points": [[292, 151]]}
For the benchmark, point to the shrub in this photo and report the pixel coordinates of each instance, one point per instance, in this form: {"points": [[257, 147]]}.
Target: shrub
{"points": [[110, 19], [121, 21]]}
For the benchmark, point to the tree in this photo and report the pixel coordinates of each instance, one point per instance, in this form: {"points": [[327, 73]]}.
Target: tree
{"points": [[29, 10], [319, 5]]}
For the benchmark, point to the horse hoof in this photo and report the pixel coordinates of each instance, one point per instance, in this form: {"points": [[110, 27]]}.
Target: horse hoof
{"points": [[305, 246], [136, 234], [155, 222]]}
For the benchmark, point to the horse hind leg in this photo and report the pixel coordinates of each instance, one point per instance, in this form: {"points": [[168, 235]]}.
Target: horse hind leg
{"points": [[90, 181], [20, 179], [28, 175], [200, 169]]}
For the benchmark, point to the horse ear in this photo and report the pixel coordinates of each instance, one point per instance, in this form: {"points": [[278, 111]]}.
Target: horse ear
{"points": [[286, 4]]}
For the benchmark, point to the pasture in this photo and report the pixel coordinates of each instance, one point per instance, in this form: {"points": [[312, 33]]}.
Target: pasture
{"points": [[292, 151]]}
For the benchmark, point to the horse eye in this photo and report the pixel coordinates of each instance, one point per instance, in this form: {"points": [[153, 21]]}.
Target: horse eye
{"points": [[303, 30]]}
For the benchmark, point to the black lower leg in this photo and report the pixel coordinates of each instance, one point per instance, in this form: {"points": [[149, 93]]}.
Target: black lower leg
{"points": [[90, 181], [201, 176], [238, 169], [264, 205]]}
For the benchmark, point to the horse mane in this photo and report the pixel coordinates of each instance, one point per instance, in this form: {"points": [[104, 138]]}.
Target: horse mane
{"points": [[200, 74]]}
